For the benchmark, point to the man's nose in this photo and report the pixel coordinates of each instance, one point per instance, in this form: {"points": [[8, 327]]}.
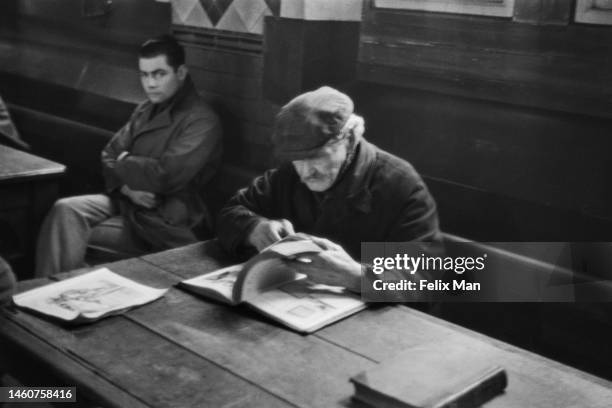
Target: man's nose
{"points": [[150, 82], [303, 168]]}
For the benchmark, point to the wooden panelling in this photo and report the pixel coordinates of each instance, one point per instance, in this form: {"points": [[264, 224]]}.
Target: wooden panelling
{"points": [[302, 55], [73, 54], [94, 110], [543, 11], [486, 216], [231, 79], [129, 22], [496, 8], [223, 61], [247, 145], [564, 68], [499, 172], [524, 151], [260, 111], [251, 132], [226, 83], [509, 121], [481, 32], [8, 14], [255, 156], [240, 42], [536, 96]]}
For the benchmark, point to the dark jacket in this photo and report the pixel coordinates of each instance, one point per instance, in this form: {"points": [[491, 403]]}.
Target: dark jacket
{"points": [[172, 155], [379, 198], [8, 131], [7, 282]]}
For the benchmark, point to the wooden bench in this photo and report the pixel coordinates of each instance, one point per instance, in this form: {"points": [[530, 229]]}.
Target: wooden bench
{"points": [[576, 331]]}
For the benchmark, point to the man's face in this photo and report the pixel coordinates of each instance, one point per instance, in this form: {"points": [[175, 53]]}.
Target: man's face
{"points": [[320, 173], [159, 80]]}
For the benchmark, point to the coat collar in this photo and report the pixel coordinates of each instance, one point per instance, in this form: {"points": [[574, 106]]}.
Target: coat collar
{"points": [[354, 188], [164, 118]]}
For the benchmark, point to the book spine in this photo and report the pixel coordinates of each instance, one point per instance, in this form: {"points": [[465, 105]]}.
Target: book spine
{"points": [[490, 385]]}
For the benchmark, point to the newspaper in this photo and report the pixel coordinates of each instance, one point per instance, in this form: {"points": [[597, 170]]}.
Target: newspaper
{"points": [[87, 297]]}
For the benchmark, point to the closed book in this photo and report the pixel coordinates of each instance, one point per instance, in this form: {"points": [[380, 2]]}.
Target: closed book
{"points": [[428, 377]]}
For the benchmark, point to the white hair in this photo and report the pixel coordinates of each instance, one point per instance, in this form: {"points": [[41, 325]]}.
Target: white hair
{"points": [[352, 131], [355, 126]]}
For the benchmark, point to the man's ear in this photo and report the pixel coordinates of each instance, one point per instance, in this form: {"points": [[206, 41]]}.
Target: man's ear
{"points": [[182, 72]]}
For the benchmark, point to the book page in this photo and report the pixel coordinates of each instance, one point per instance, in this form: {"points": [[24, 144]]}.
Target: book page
{"points": [[87, 296], [306, 306], [221, 281], [291, 246]]}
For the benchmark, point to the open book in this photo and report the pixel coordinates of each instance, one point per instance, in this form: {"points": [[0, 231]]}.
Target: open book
{"points": [[269, 283], [87, 297]]}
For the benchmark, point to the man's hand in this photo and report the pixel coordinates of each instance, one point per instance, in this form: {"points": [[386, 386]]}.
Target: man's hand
{"points": [[123, 155], [142, 198], [267, 232], [332, 266]]}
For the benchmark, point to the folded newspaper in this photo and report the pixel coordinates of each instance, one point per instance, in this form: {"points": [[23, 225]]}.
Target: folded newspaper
{"points": [[87, 297]]}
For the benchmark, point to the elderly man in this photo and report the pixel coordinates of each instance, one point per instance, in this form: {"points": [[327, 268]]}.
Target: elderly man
{"points": [[334, 186], [154, 168]]}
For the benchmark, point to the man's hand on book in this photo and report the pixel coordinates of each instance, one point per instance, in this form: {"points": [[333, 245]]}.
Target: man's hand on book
{"points": [[332, 266], [267, 232]]}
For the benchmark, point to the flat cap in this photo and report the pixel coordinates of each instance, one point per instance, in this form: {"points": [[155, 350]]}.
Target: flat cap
{"points": [[309, 121]]}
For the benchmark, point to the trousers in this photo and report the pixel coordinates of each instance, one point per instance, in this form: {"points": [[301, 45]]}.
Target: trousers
{"points": [[77, 223]]}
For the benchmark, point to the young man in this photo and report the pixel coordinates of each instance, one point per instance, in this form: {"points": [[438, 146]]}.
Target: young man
{"points": [[335, 186], [153, 167]]}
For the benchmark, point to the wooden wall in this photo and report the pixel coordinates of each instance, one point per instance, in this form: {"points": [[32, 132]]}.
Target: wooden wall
{"points": [[509, 121], [227, 69]]}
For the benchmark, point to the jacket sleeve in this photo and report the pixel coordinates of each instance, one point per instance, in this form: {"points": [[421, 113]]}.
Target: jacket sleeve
{"points": [[246, 208], [119, 143], [417, 219], [186, 154]]}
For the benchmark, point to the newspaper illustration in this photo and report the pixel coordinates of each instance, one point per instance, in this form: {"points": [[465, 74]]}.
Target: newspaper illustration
{"points": [[305, 305], [88, 297]]}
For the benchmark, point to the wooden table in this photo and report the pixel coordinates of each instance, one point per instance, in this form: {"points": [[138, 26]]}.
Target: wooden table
{"points": [[28, 187], [184, 351]]}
